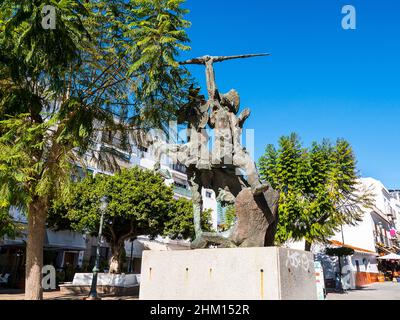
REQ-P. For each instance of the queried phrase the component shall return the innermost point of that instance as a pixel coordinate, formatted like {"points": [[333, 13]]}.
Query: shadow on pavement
{"points": [[11, 291], [18, 294], [350, 290]]}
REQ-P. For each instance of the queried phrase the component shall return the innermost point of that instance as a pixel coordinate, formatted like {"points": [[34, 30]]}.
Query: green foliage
{"points": [[180, 223], [139, 203], [40, 51], [230, 219], [7, 225], [318, 188], [59, 88], [157, 28]]}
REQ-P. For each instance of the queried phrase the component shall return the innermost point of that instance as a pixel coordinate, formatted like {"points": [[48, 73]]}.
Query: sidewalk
{"points": [[375, 291], [56, 295]]}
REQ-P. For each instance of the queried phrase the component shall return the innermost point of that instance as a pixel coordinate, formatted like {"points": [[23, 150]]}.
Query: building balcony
{"points": [[179, 168], [182, 192], [124, 156]]}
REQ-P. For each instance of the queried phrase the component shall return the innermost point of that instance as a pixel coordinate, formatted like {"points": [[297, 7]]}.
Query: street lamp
{"points": [[131, 259], [93, 288]]}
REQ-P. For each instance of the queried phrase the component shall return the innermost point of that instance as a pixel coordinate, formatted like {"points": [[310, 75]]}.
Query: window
{"points": [[179, 167], [366, 263], [180, 185], [358, 265], [143, 149], [208, 194]]}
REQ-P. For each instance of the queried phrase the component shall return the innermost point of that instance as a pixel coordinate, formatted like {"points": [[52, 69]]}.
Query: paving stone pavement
{"points": [[375, 291], [57, 295]]}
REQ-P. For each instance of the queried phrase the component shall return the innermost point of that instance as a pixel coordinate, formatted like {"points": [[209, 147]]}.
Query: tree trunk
{"points": [[34, 249], [117, 257], [307, 246]]}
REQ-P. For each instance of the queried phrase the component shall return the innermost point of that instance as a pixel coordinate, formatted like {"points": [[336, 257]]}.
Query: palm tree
{"points": [[58, 88]]}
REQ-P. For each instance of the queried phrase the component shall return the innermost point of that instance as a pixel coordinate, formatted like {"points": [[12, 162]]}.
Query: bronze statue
{"points": [[218, 169]]}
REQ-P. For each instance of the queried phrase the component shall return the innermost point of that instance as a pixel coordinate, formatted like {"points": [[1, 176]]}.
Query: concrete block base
{"points": [[115, 284], [228, 274], [111, 290]]}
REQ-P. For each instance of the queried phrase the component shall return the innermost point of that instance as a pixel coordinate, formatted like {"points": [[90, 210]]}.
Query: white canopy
{"points": [[391, 256], [65, 240]]}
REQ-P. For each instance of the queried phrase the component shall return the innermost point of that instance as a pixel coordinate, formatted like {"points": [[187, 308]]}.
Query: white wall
{"points": [[208, 203], [211, 203], [360, 236], [384, 201], [367, 263], [159, 244], [295, 245], [395, 203]]}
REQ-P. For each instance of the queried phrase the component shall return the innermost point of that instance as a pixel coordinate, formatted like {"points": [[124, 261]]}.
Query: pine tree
{"points": [[318, 187], [158, 30]]}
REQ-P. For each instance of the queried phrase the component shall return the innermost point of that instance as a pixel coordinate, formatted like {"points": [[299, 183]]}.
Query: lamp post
{"points": [[93, 288], [131, 259]]}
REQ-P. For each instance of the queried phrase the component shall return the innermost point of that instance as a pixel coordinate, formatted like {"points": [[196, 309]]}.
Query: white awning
{"points": [[67, 240], [19, 241], [391, 256]]}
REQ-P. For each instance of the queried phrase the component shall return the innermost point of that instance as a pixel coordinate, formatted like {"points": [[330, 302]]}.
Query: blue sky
{"points": [[321, 81]]}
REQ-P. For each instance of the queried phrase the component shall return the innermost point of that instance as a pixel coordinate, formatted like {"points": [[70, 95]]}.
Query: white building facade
{"points": [[377, 234], [66, 249], [175, 176]]}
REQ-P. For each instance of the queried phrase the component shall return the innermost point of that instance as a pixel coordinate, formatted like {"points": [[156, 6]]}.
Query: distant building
{"points": [[175, 175], [395, 202], [375, 235], [62, 249], [73, 250]]}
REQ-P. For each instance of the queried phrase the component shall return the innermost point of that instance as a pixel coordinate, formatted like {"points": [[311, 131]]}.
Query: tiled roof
{"points": [[338, 243]]}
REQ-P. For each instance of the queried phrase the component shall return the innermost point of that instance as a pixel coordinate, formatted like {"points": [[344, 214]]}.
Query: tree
{"points": [[229, 219], [7, 225], [139, 203], [318, 186], [33, 65], [158, 27], [180, 221], [58, 89]]}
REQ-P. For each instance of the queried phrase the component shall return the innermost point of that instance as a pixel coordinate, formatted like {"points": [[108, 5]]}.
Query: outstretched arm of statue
{"points": [[244, 115]]}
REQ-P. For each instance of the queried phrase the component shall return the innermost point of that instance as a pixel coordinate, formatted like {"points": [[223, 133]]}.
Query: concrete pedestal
{"points": [[228, 274]]}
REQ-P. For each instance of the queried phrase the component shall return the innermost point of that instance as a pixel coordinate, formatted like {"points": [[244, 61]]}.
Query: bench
{"points": [[115, 284]]}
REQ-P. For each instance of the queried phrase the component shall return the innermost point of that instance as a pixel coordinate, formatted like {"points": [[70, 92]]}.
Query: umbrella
{"points": [[391, 256]]}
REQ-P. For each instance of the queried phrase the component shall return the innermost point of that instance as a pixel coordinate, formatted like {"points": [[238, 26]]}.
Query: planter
{"points": [[381, 278]]}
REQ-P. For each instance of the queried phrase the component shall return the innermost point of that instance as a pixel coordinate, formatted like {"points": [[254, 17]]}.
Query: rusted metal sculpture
{"points": [[227, 169]]}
